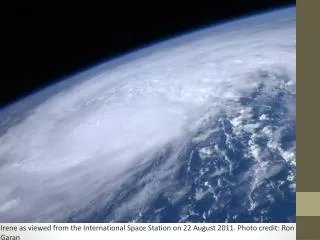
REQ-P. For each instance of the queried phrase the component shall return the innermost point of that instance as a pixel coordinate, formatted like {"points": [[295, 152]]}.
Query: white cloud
{"points": [[83, 143]]}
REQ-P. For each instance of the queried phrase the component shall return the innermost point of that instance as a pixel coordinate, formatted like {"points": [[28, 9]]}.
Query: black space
{"points": [[44, 44]]}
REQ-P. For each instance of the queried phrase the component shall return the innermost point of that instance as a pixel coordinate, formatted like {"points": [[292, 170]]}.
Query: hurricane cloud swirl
{"points": [[80, 146]]}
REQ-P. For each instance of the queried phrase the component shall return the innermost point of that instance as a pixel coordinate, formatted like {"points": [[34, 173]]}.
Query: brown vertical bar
{"points": [[308, 113]]}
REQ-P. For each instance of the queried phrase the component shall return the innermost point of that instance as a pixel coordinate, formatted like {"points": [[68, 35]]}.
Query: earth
{"points": [[198, 128]]}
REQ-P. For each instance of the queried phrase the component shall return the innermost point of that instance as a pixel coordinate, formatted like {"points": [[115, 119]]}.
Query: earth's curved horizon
{"points": [[198, 128]]}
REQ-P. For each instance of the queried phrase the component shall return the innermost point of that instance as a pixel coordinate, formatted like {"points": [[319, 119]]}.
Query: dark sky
{"points": [[43, 44]]}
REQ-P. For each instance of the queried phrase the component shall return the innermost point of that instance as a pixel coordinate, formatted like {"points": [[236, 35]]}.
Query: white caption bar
{"points": [[132, 231]]}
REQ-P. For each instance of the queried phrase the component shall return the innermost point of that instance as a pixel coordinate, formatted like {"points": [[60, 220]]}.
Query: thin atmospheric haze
{"points": [[198, 128]]}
